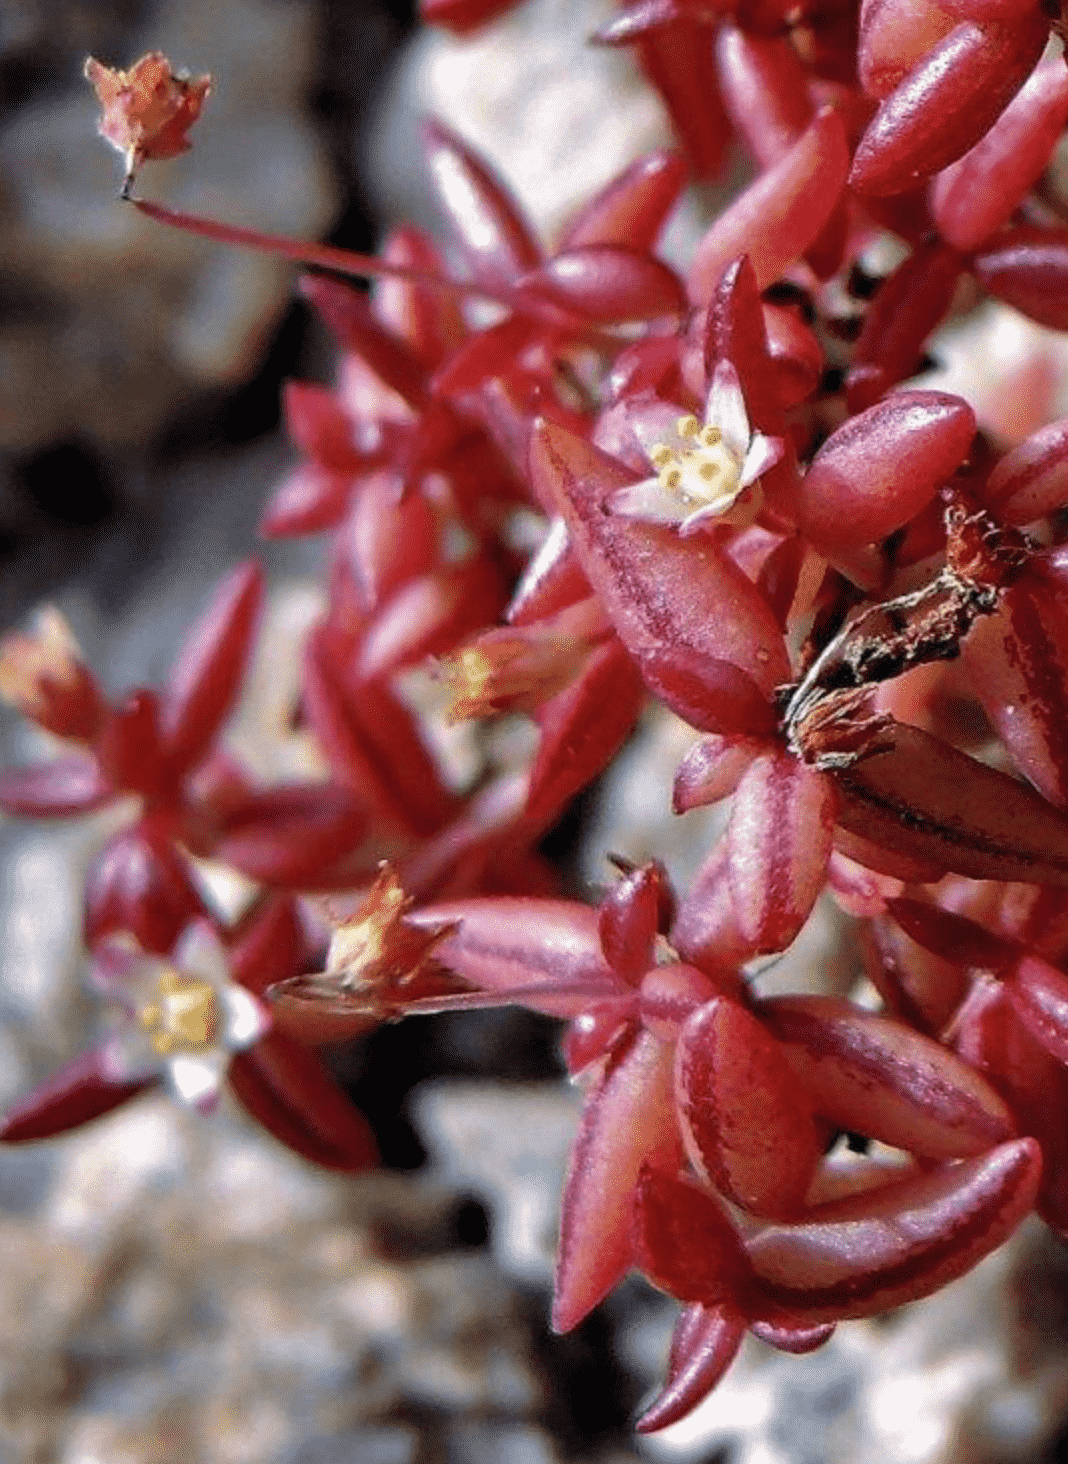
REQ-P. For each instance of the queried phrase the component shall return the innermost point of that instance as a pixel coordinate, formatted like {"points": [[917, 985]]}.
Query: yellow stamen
{"points": [[185, 1014]]}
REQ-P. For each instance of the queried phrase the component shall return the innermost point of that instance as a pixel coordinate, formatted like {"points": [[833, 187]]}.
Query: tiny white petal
{"points": [[200, 952], [725, 408], [649, 501], [246, 1020], [764, 453], [196, 1078], [128, 1055], [656, 424]]}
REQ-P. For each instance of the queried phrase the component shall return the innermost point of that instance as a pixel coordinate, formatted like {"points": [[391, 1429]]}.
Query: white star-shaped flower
{"points": [[181, 1018], [702, 468]]}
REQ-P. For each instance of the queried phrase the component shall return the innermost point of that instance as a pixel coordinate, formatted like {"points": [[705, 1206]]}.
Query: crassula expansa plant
{"points": [[577, 481]]}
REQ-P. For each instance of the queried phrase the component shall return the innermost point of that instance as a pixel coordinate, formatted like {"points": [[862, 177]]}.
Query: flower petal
{"points": [[649, 501], [764, 453], [725, 408], [196, 1080]]}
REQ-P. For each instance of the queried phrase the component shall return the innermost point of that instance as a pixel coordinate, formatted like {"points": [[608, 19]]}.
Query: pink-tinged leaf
{"points": [[747, 1121], [909, 305], [952, 937], [678, 59], [678, 606], [894, 37], [708, 692], [878, 1077], [684, 1242], [489, 223], [466, 854], [350, 319], [76, 1094], [855, 492], [430, 615], [779, 215], [1031, 481], [430, 320], [610, 1024], [764, 89], [706, 1343], [551, 581], [794, 1337], [926, 800], [140, 883], [292, 834], [287, 1089], [488, 353], [633, 207], [461, 16], [206, 677], [388, 538], [796, 355], [711, 770], [308, 500], [635, 909], [893, 863], [360, 761], [1038, 993], [922, 989], [549, 950], [778, 845], [319, 425], [976, 195], [1027, 267], [55, 789], [947, 102], [129, 748], [270, 946], [602, 284], [1018, 665], [628, 1121], [671, 993], [706, 929], [864, 1255]]}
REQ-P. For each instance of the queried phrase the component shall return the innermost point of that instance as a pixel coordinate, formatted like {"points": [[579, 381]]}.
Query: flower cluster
{"points": [[569, 482]]}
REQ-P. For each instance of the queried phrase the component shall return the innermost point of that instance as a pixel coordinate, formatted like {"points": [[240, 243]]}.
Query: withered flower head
{"points": [[147, 111]]}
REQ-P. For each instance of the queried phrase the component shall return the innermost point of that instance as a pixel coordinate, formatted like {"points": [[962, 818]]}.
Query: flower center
{"points": [[185, 1014], [706, 474]]}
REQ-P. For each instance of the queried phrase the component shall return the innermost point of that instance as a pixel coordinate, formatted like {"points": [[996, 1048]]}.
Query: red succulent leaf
{"points": [[765, 90], [952, 937], [928, 801], [910, 304], [287, 1090], [952, 96], [602, 284], [462, 16], [76, 1094], [204, 681], [1027, 267], [705, 1344], [549, 951], [631, 915], [711, 770], [582, 728], [269, 945], [747, 1121], [675, 49], [780, 214], [349, 317], [1038, 994], [487, 353], [140, 883], [684, 1242], [778, 845], [430, 320], [627, 1122], [492, 231], [632, 208], [894, 38], [876, 1076], [55, 789], [429, 615], [786, 1335], [873, 1251], [293, 834], [678, 608], [671, 993], [1031, 481], [551, 580], [855, 493], [307, 501], [130, 749], [979, 193]]}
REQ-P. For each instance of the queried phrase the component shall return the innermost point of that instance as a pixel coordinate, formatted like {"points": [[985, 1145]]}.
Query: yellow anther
{"points": [[708, 471], [661, 455], [671, 478], [185, 1013], [710, 436], [688, 426]]}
